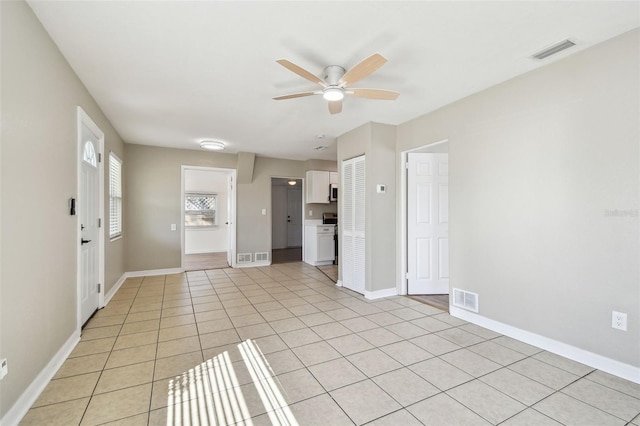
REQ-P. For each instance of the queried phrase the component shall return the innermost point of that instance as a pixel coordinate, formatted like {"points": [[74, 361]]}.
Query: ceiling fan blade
{"points": [[301, 72], [363, 69], [295, 95], [386, 95], [335, 107]]}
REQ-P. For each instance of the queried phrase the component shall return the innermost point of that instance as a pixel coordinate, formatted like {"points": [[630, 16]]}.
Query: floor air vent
{"points": [[465, 300], [262, 256], [244, 257]]}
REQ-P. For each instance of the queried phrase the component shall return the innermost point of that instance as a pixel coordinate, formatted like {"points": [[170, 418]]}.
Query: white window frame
{"points": [[213, 211], [115, 195]]}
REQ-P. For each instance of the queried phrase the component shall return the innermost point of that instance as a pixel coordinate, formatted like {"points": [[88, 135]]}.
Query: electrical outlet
{"points": [[3, 368], [619, 320]]}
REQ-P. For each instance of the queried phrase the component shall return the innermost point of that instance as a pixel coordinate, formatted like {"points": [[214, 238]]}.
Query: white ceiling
{"points": [[172, 73]]}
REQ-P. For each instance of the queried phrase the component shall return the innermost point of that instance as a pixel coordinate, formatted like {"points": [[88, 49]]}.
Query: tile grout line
{"points": [[109, 356], [249, 287]]}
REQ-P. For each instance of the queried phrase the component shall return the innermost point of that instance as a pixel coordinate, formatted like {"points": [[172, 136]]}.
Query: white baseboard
{"points": [[319, 263], [339, 283], [252, 264], [31, 394], [204, 251], [379, 294], [151, 272], [608, 365], [114, 289]]}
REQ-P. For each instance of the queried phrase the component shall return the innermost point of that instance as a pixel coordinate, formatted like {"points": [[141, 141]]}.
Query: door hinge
{"points": [[99, 157], [99, 222], [406, 165], [99, 287], [407, 275]]}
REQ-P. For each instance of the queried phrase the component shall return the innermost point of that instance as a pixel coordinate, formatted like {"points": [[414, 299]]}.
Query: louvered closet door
{"points": [[353, 224], [346, 219]]}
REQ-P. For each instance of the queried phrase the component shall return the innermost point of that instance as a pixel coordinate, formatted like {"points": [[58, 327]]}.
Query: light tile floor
{"points": [[281, 342]]}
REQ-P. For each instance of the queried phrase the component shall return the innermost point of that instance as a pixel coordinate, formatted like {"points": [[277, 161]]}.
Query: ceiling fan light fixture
{"points": [[212, 145], [333, 94]]}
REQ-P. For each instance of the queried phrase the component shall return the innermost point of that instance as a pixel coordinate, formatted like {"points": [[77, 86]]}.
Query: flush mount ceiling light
{"points": [[212, 145], [292, 182]]}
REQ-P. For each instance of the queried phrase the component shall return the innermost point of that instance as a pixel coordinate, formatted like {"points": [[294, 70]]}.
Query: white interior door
{"points": [[231, 233], [428, 223], [88, 216], [278, 217], [294, 216]]}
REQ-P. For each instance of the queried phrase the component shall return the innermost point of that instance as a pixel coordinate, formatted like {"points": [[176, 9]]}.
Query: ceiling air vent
{"points": [[552, 50]]}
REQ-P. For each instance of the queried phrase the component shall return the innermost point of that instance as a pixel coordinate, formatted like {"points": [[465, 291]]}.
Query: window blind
{"points": [[115, 196]]}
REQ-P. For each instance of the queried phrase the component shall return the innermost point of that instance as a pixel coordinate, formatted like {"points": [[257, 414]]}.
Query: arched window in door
{"points": [[89, 154]]}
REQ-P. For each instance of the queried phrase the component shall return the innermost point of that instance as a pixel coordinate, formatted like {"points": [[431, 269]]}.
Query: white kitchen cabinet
{"points": [[317, 185], [319, 248]]}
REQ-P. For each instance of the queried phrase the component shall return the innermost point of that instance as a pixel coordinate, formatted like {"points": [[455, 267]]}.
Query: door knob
{"points": [[83, 241]]}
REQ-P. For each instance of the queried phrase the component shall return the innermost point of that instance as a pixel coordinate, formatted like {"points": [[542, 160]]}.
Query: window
{"points": [[115, 196], [199, 210], [89, 154]]}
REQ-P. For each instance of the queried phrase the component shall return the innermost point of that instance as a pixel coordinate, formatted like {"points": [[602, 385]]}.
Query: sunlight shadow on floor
{"points": [[210, 393]]}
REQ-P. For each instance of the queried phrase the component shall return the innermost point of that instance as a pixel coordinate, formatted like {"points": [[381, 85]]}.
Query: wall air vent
{"points": [[465, 300], [244, 257], [262, 256], [552, 50]]}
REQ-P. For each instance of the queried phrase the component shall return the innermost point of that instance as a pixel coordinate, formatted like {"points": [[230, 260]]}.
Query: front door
{"points": [[88, 217], [428, 223]]}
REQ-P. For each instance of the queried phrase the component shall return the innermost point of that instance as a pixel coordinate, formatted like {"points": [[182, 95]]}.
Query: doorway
{"points": [[208, 218], [425, 254], [89, 207], [286, 220]]}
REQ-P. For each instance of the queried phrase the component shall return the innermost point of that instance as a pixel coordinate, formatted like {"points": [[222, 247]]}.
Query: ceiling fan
{"points": [[335, 82]]}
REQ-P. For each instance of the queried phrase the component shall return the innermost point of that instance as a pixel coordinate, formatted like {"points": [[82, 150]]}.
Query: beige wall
{"points": [[40, 93], [377, 142], [152, 200], [254, 229], [381, 207], [535, 163]]}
